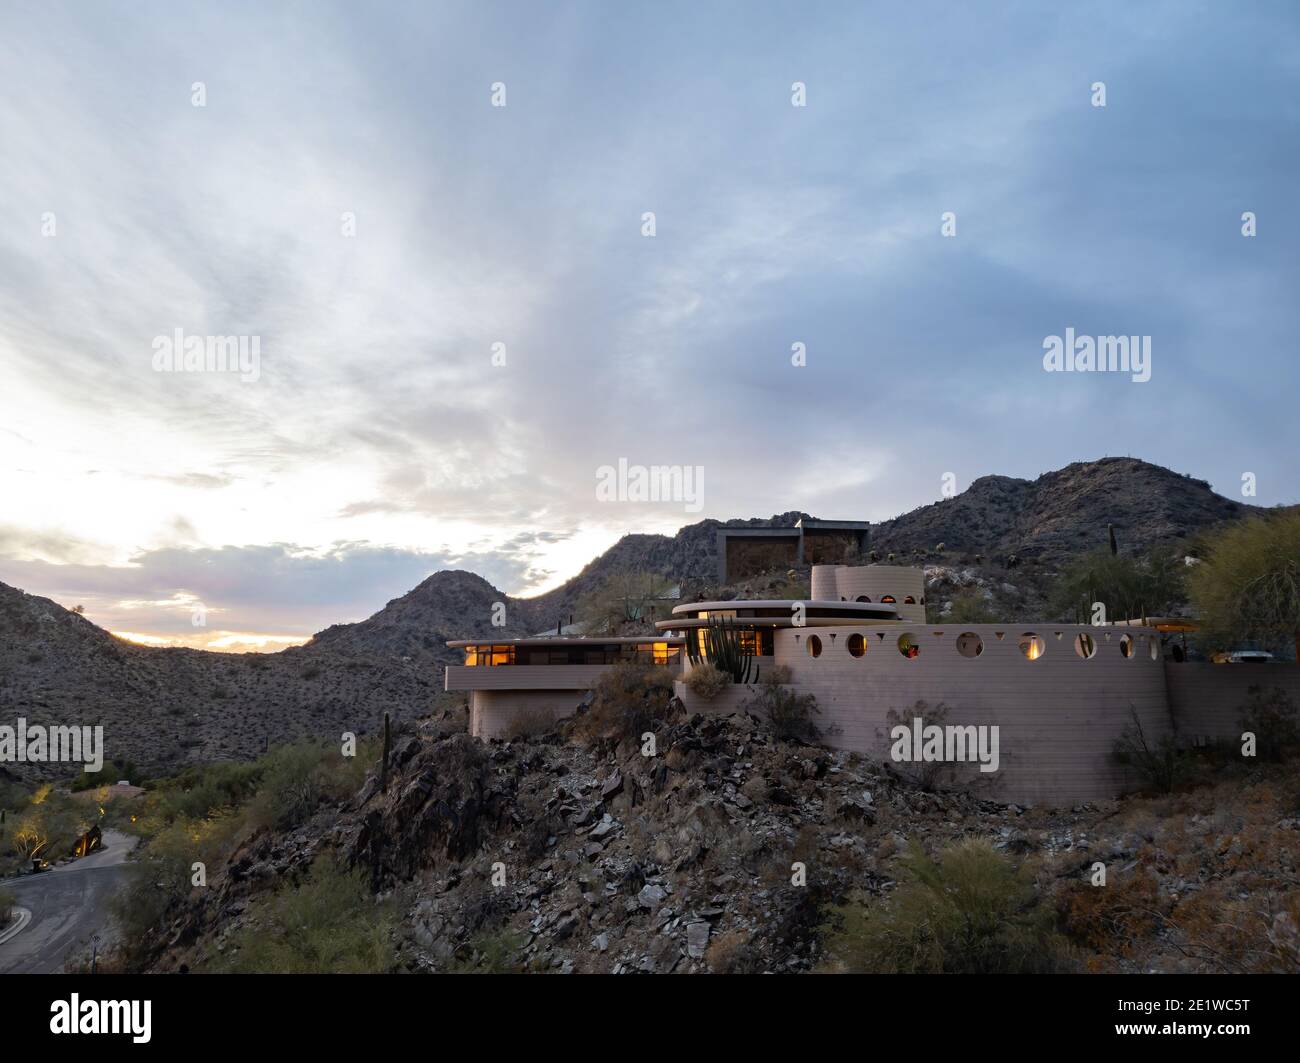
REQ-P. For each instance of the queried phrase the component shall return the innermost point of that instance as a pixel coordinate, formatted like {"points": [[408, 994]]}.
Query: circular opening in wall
{"points": [[888, 599], [969, 644], [1126, 645], [909, 600], [1177, 653], [857, 644], [813, 646], [908, 647], [863, 598], [1155, 648], [1032, 646], [1085, 645]]}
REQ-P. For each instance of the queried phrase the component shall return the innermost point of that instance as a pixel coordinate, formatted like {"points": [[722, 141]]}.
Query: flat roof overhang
{"points": [[784, 622], [864, 610], [571, 640]]}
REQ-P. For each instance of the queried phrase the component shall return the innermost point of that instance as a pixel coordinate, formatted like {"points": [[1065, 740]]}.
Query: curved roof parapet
{"points": [[560, 640], [777, 612], [874, 610]]}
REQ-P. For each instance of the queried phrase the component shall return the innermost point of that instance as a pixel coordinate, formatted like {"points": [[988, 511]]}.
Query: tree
{"points": [[623, 600], [1129, 587], [1247, 585]]}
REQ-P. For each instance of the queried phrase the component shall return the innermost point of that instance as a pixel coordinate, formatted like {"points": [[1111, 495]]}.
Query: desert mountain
{"points": [[1062, 513], [163, 707]]}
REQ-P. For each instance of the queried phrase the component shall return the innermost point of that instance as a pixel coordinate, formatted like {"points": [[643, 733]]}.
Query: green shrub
{"points": [[629, 699], [492, 953], [706, 681], [162, 875], [328, 924], [971, 911]]}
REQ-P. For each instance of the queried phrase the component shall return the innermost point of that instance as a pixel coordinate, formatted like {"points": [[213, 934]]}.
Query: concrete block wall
{"points": [[492, 711], [1058, 716], [1206, 699]]}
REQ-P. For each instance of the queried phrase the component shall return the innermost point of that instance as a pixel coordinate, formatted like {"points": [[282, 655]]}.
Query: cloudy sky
{"points": [[349, 195]]}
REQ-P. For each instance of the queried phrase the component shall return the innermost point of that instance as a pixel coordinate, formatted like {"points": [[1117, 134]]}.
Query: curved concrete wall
{"points": [[1058, 716], [849, 582]]}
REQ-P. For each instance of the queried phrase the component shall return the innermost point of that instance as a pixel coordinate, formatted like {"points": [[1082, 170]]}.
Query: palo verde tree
{"points": [[1247, 586]]}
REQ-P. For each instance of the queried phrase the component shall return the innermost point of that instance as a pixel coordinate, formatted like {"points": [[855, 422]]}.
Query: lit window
{"points": [[857, 644], [888, 599], [1032, 646], [1126, 645], [909, 600]]}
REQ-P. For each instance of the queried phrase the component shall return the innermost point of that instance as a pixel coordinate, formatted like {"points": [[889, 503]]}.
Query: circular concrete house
{"points": [[1028, 712]]}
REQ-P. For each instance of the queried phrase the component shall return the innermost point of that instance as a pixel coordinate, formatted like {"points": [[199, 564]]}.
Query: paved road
{"points": [[68, 904]]}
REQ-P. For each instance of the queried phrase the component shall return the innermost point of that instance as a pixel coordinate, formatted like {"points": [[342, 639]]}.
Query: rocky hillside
{"points": [[1062, 513], [687, 861], [614, 862], [161, 708]]}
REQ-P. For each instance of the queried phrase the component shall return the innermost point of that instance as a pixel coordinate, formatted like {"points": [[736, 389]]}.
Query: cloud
{"points": [[379, 416]]}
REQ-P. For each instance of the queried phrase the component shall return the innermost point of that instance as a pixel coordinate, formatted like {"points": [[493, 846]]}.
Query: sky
{"points": [[809, 254]]}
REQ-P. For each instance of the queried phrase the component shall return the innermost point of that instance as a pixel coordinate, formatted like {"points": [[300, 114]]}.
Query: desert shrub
{"points": [[7, 904], [47, 827], [112, 771], [327, 924], [200, 790], [707, 682], [1160, 765], [1112, 919], [1271, 717], [492, 953], [789, 714], [161, 876], [970, 911], [296, 778], [927, 774], [528, 722], [727, 953], [1231, 932], [970, 606], [629, 699]]}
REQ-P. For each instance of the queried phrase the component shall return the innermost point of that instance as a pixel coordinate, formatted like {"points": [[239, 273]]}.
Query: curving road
{"points": [[68, 904]]}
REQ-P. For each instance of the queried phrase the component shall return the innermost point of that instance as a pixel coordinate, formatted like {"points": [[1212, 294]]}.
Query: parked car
{"points": [[1248, 657]]}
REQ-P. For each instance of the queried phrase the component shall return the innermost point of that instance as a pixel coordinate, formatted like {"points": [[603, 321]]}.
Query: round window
{"points": [[969, 644], [908, 647], [1126, 645], [1085, 645], [1032, 646], [857, 644], [814, 646]]}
